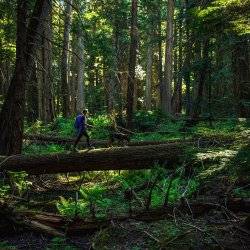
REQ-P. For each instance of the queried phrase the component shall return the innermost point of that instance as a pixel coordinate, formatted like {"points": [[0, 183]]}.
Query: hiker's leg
{"points": [[111, 140], [79, 136], [87, 137]]}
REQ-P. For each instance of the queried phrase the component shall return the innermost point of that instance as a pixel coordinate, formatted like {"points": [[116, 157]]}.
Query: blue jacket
{"points": [[80, 123]]}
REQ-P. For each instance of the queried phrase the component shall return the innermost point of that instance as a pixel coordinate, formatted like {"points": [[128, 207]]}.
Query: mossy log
{"points": [[96, 143], [117, 158]]}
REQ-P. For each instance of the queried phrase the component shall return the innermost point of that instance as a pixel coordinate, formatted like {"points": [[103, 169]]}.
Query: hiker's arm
{"points": [[89, 126]]}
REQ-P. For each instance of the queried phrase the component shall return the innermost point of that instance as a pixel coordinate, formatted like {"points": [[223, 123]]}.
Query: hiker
{"points": [[81, 127]]}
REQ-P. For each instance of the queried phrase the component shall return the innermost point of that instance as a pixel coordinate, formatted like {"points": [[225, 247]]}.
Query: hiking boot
{"points": [[90, 146]]}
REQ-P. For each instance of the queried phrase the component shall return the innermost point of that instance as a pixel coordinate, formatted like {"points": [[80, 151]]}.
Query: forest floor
{"points": [[213, 172]]}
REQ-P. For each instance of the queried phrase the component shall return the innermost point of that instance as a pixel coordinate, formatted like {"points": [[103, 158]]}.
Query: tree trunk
{"points": [[44, 65], [201, 81], [49, 110], [148, 94], [186, 65], [73, 77], [32, 97], [12, 113], [177, 101], [160, 76], [65, 60], [175, 61], [132, 63], [121, 26], [138, 157], [241, 77], [80, 101], [168, 74]]}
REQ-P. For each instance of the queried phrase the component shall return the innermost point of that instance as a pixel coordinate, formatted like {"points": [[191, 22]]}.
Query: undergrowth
{"points": [[162, 127], [129, 190]]}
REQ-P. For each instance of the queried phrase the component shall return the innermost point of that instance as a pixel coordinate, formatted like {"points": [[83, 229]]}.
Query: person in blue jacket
{"points": [[81, 127]]}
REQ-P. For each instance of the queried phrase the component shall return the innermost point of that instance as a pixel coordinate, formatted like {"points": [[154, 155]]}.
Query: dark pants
{"points": [[79, 136]]}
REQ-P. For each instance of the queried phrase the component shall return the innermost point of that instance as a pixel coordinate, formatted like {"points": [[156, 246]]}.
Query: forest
{"points": [[125, 124]]}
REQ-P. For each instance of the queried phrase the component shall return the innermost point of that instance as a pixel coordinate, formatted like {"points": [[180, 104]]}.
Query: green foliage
{"points": [[100, 126], [36, 127], [148, 120], [88, 197], [63, 127], [37, 149], [97, 199], [19, 181], [58, 243], [6, 246], [229, 13], [4, 189], [72, 208], [16, 183], [241, 162], [243, 192]]}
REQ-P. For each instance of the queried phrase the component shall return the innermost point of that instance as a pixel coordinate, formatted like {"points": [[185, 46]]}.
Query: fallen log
{"points": [[58, 225], [62, 140], [117, 158], [199, 140], [96, 143]]}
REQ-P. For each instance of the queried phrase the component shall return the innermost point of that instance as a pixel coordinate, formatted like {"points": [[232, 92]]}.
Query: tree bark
{"points": [[73, 77], [132, 63], [148, 94], [44, 66], [241, 77], [138, 157], [121, 27], [48, 100], [80, 101], [32, 97], [168, 74], [201, 81], [12, 113], [177, 98], [186, 66], [160, 75], [65, 60]]}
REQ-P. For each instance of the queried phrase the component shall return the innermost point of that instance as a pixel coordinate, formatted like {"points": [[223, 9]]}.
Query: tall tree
{"points": [[168, 74], [177, 97], [187, 61], [12, 113], [160, 73], [65, 60], [241, 76], [148, 90], [80, 96], [46, 110], [132, 62], [202, 74]]}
